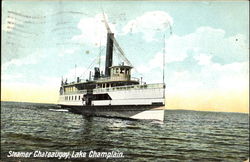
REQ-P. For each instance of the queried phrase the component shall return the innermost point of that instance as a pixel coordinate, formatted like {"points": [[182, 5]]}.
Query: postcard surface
{"points": [[125, 80]]}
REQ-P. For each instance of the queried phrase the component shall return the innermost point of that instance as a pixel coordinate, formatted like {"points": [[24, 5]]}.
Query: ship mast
{"points": [[163, 61], [163, 66]]}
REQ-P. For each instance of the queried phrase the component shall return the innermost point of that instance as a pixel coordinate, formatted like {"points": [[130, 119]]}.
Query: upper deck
{"points": [[120, 76], [119, 88]]}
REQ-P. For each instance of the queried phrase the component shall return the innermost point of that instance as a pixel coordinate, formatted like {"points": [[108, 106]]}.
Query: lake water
{"points": [[184, 135]]}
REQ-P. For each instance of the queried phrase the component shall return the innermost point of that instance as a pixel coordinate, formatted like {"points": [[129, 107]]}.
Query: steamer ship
{"points": [[115, 93]]}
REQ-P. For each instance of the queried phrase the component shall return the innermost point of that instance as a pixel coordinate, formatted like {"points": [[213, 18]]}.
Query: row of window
{"points": [[72, 98], [120, 71], [70, 89]]}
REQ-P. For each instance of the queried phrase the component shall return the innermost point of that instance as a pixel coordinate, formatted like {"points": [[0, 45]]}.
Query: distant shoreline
{"points": [[166, 108], [30, 102]]}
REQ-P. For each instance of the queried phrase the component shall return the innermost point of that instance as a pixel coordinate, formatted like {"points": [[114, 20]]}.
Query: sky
{"points": [[206, 46]]}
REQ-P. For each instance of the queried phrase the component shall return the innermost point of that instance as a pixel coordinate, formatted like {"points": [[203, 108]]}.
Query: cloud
{"points": [[66, 51], [149, 24], [213, 79], [224, 78], [201, 61], [208, 41], [231, 82], [27, 60], [229, 76], [93, 31], [155, 62]]}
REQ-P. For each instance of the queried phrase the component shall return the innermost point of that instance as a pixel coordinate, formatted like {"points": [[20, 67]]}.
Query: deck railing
{"points": [[107, 79], [76, 92], [128, 87], [122, 78]]}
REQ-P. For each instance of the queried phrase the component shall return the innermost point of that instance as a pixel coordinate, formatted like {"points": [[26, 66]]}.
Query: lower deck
{"points": [[150, 94]]}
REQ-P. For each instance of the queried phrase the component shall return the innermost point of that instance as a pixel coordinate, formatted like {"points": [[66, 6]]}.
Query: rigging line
{"points": [[114, 40], [87, 69], [119, 58], [100, 50], [92, 63], [116, 43], [121, 51], [75, 71], [90, 66], [122, 56]]}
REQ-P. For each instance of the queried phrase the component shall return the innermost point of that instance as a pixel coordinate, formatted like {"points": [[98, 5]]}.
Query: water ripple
{"points": [[184, 135]]}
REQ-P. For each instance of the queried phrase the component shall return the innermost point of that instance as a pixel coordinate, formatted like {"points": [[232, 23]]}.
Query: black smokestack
{"points": [[109, 53]]}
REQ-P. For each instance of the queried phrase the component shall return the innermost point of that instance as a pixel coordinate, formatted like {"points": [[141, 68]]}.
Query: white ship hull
{"points": [[136, 102]]}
